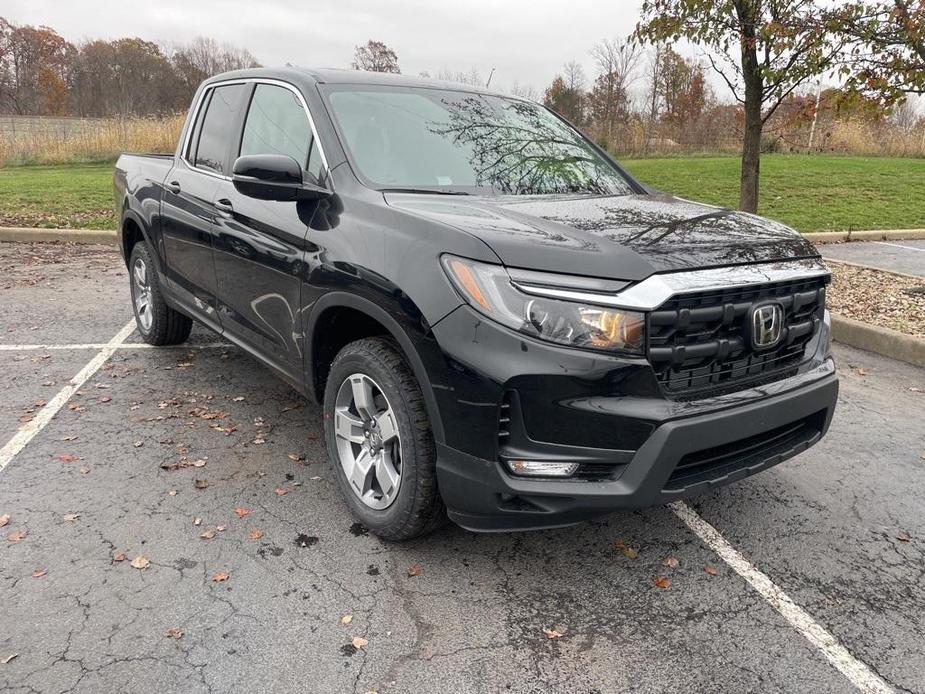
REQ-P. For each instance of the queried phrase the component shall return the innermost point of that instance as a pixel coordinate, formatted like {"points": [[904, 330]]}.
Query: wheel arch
{"points": [[369, 320]]}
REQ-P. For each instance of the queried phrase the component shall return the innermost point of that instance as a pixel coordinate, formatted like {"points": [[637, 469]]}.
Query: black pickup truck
{"points": [[500, 324]]}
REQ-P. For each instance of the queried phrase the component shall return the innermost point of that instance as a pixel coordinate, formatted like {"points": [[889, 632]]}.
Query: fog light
{"points": [[540, 468]]}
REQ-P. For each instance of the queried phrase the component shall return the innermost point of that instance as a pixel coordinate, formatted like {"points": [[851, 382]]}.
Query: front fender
{"points": [[412, 346]]}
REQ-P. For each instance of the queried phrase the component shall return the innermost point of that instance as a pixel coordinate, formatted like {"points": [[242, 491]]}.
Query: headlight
{"points": [[490, 290]]}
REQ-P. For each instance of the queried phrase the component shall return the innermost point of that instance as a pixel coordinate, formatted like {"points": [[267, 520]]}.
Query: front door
{"points": [[260, 245]]}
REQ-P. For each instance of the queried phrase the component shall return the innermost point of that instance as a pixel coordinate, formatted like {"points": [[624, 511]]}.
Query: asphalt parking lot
{"points": [[274, 596], [907, 256]]}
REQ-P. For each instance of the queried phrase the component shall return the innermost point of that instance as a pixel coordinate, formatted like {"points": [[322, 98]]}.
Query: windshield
{"points": [[448, 141]]}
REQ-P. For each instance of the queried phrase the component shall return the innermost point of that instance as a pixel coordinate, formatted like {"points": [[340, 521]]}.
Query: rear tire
{"points": [[158, 323], [390, 431]]}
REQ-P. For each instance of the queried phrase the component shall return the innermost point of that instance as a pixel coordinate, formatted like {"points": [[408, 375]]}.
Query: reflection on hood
{"points": [[627, 237]]}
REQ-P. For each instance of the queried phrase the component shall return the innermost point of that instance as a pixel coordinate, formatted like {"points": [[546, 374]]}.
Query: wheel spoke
{"points": [[347, 426], [359, 476], [386, 474], [363, 397], [140, 275], [386, 425]]}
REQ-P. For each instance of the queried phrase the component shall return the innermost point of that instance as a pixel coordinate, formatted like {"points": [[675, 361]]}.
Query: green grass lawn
{"points": [[77, 196], [810, 193]]}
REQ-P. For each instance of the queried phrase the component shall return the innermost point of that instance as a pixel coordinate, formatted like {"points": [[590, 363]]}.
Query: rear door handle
{"points": [[174, 187], [224, 207]]}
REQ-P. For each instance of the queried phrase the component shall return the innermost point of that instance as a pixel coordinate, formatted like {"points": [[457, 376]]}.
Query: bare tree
{"points": [[609, 99], [375, 56], [525, 91]]}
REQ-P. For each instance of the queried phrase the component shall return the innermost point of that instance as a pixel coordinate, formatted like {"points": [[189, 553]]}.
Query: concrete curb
{"points": [[27, 235], [883, 235], [884, 341], [904, 275]]}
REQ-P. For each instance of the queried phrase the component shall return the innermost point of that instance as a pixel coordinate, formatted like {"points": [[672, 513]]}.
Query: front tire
{"points": [[379, 441], [158, 323]]}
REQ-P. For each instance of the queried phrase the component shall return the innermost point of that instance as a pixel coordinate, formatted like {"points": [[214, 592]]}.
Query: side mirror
{"points": [[273, 177]]}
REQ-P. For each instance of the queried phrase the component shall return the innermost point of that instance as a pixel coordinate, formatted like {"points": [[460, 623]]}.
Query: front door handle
{"points": [[224, 207], [174, 187]]}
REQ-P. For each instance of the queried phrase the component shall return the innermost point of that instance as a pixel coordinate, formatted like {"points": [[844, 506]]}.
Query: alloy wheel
{"points": [[368, 443]]}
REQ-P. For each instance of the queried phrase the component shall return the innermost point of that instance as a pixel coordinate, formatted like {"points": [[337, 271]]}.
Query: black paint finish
{"points": [[291, 281]]}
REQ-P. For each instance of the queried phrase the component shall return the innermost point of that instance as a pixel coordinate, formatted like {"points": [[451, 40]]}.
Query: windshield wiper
{"points": [[427, 191]]}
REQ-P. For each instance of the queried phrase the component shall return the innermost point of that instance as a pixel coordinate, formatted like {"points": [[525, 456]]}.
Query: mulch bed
{"points": [[877, 298]]}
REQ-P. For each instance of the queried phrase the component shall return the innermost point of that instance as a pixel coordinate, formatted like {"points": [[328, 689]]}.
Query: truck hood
{"points": [[617, 237]]}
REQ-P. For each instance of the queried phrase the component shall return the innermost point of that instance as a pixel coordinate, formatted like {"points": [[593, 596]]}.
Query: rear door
{"points": [[190, 189], [260, 245]]}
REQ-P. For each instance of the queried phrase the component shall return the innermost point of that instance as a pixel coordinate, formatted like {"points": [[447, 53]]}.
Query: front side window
{"points": [[421, 138], [217, 126], [277, 124]]}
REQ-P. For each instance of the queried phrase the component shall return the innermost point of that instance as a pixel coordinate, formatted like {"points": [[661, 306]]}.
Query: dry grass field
{"points": [[39, 140]]}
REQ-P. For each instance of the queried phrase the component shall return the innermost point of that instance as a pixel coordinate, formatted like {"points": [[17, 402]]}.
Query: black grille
{"points": [[754, 452], [699, 343]]}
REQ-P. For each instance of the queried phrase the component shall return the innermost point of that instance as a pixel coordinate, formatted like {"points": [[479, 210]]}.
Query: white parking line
{"points": [[899, 245], [101, 345], [28, 430], [857, 672]]}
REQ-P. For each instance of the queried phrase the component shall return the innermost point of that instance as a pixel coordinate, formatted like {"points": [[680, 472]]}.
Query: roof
{"points": [[341, 76]]}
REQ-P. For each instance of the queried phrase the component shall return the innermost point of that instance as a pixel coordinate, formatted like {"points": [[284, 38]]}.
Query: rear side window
{"points": [[218, 126], [277, 124]]}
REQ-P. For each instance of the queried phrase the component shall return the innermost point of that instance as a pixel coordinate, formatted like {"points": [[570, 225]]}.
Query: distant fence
{"points": [[49, 140], [30, 126]]}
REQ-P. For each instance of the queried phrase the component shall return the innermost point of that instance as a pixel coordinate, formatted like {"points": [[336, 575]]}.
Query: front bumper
{"points": [[601, 411], [481, 496]]}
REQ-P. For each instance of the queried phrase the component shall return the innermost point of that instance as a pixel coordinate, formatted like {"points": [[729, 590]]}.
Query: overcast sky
{"points": [[526, 41]]}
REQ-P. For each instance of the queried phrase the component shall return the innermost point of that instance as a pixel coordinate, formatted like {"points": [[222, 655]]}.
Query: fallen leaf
{"points": [[281, 491], [17, 536], [239, 398], [242, 512], [71, 517], [220, 528], [4, 519], [553, 633], [84, 470], [359, 642], [662, 582], [38, 573], [208, 534], [172, 492], [627, 551], [118, 556], [671, 563], [25, 418], [4, 661], [220, 576], [200, 484], [174, 633], [415, 570], [138, 444], [140, 562], [66, 457], [903, 536], [711, 570], [862, 371], [255, 534], [198, 463], [346, 619], [259, 441], [105, 398], [197, 520]]}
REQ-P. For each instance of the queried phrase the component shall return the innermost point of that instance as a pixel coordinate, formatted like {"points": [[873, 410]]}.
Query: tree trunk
{"points": [[754, 97], [751, 159]]}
